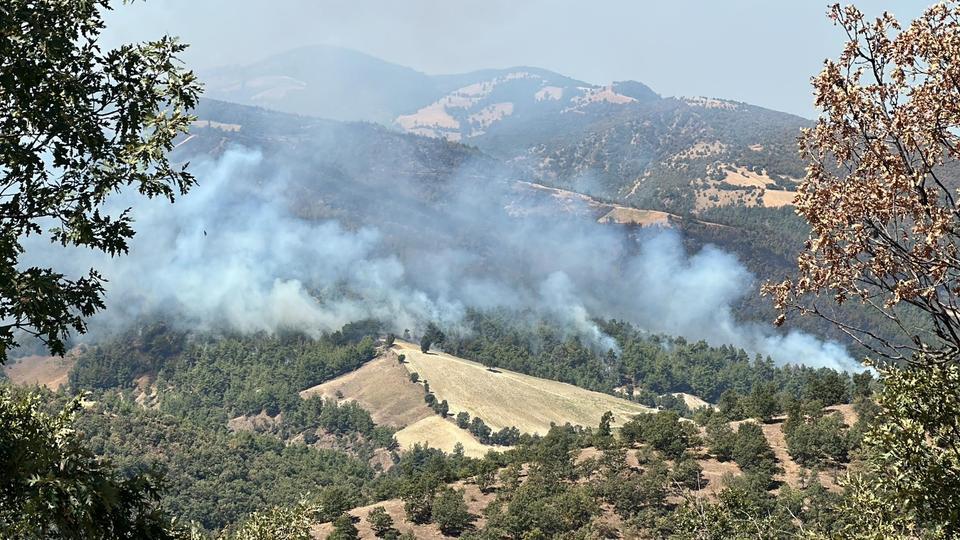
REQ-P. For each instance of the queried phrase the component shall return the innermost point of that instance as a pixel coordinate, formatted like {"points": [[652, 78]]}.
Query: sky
{"points": [[757, 51]]}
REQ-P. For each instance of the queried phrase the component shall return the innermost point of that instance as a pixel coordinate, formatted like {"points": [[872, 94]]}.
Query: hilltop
{"points": [[501, 398], [324, 81], [504, 398]]}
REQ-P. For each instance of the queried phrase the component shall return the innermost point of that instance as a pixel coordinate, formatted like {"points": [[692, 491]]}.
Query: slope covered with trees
{"points": [[156, 435], [647, 365]]}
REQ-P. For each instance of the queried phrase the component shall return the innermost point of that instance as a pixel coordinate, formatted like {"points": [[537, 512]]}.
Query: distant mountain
{"points": [[482, 103], [500, 109], [676, 154], [323, 81], [620, 142]]}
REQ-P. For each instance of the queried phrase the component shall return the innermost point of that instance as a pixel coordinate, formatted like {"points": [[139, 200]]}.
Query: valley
{"points": [[418, 289]]}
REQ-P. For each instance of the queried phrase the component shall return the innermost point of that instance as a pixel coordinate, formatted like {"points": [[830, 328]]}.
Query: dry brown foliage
{"points": [[877, 193]]}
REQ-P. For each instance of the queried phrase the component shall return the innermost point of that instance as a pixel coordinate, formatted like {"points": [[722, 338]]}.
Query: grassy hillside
{"points": [[501, 398], [382, 387], [443, 434], [50, 371], [630, 485], [504, 398]]}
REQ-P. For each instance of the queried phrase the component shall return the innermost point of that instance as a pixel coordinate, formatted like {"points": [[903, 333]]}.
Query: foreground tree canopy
{"points": [[880, 197], [880, 190], [53, 487], [77, 124]]}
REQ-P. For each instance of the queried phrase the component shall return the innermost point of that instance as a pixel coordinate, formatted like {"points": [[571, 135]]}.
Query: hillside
{"points": [[501, 398], [504, 398], [476, 501], [324, 81], [592, 466], [383, 388], [488, 105], [622, 141], [670, 154], [249, 405], [49, 371], [443, 434]]}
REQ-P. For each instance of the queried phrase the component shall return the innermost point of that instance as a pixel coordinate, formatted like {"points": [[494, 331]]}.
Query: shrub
{"points": [[720, 438], [380, 521], [450, 512], [344, 529], [688, 473], [752, 452]]}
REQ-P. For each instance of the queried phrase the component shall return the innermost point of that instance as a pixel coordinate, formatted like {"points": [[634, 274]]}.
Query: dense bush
{"points": [[814, 438], [663, 431], [752, 452]]}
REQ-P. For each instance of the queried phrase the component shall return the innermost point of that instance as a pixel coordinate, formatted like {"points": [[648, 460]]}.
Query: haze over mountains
{"points": [[515, 189], [436, 290], [620, 141]]}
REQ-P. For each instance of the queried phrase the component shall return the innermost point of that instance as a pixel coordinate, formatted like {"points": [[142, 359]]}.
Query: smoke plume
{"points": [[233, 253]]}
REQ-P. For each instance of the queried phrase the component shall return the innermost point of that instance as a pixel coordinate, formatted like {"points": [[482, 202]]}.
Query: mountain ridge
{"points": [[620, 141]]}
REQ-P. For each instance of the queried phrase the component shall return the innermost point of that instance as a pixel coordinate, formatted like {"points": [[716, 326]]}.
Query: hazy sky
{"points": [[758, 51]]}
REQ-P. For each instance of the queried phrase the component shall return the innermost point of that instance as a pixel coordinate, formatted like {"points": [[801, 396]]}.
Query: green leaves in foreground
{"points": [[912, 483], [77, 124], [53, 487]]}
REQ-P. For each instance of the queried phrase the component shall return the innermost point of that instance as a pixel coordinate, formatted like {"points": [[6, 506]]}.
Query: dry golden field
{"points": [[504, 398], [49, 371]]}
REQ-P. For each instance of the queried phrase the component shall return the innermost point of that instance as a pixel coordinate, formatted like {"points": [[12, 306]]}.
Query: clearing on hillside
{"points": [[49, 371], [504, 398], [633, 216], [693, 402], [443, 434], [382, 387]]}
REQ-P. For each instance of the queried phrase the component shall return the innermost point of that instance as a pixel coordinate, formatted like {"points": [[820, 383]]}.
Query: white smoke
{"points": [[227, 254], [559, 297], [692, 296], [232, 253]]}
